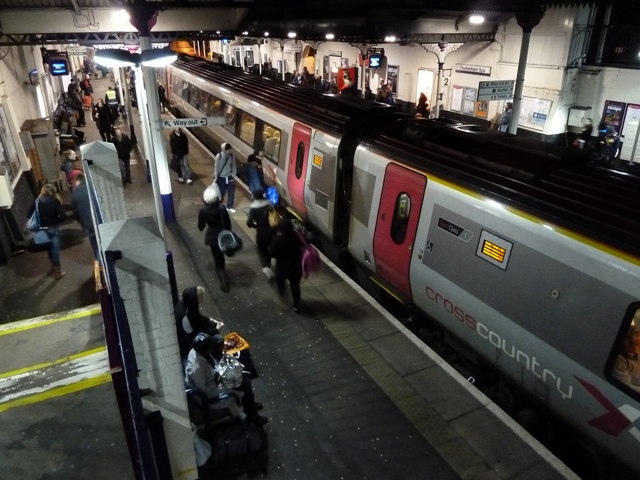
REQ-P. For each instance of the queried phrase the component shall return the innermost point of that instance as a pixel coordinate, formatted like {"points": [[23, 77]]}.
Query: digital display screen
{"points": [[374, 61], [494, 251], [59, 67]]}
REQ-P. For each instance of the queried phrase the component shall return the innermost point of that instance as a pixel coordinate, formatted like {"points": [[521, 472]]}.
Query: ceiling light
{"points": [[158, 57], [155, 57], [217, 32], [390, 38], [292, 35], [245, 33], [120, 16], [476, 19], [266, 34], [329, 36]]}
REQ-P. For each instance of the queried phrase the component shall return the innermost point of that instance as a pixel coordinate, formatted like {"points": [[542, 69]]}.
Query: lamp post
{"points": [[150, 116]]}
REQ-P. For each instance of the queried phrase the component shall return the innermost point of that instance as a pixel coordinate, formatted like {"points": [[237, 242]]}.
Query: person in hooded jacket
{"points": [[259, 219], [51, 216], [215, 217], [225, 170], [286, 248], [189, 320]]}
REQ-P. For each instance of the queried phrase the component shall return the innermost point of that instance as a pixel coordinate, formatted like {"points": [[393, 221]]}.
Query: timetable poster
{"points": [[613, 113], [456, 98], [469, 95]]}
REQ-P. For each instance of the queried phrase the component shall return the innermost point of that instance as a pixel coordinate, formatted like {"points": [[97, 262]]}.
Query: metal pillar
{"points": [[527, 22], [440, 50]]}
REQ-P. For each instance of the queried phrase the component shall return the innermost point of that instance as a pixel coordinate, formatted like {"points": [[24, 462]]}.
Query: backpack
{"points": [[310, 258]]}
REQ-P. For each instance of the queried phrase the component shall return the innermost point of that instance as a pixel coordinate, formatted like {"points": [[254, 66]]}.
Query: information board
{"points": [[496, 90]]}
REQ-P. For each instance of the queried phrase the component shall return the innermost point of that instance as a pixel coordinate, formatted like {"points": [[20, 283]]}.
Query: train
{"points": [[524, 252]]}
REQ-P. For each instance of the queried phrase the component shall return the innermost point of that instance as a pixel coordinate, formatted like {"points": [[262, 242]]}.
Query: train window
{"points": [[215, 107], [203, 101], [230, 118], [194, 96], [271, 142], [299, 160], [624, 366], [247, 128], [185, 91], [177, 86], [400, 220]]}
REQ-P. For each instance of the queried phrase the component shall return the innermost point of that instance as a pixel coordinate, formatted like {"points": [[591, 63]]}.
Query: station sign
{"points": [[193, 122], [496, 90]]}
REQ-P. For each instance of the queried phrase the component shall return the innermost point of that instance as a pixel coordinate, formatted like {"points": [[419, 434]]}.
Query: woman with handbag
{"points": [[50, 215], [214, 216]]}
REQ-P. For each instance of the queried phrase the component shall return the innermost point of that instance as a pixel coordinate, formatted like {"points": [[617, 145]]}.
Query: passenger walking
{"points": [[51, 216], [215, 217], [123, 145], [82, 210], [259, 219], [255, 175], [104, 120], [112, 99], [70, 166], [180, 149], [286, 248], [225, 170], [85, 85]]}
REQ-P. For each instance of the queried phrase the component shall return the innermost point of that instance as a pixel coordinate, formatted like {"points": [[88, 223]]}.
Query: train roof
{"points": [[566, 187], [333, 113]]}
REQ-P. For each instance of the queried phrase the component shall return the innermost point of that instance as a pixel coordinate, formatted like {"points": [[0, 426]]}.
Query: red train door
{"points": [[400, 205], [300, 141]]}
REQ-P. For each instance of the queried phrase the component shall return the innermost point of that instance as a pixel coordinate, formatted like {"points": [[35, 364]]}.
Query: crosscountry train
{"points": [[523, 251]]}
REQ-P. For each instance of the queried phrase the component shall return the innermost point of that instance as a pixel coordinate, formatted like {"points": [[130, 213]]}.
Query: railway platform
{"points": [[349, 392]]}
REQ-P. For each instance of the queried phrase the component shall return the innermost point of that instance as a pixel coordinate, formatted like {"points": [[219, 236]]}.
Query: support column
{"points": [[527, 21], [440, 50]]}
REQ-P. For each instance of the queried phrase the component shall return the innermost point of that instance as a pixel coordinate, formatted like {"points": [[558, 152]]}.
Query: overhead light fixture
{"points": [[266, 34], [245, 33], [217, 32], [390, 38], [329, 36], [292, 35], [115, 58], [120, 16], [476, 19]]}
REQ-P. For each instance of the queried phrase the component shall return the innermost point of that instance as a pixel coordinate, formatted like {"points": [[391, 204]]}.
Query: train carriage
{"points": [[526, 252]]}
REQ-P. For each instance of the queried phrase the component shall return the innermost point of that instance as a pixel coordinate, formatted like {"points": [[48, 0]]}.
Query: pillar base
{"points": [[167, 207]]}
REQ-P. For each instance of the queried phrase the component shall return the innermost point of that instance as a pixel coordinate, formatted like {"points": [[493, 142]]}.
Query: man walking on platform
{"points": [[225, 169], [180, 149], [123, 145], [112, 99]]}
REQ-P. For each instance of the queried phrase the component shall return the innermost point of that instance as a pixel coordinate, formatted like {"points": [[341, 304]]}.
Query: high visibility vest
{"points": [[111, 97]]}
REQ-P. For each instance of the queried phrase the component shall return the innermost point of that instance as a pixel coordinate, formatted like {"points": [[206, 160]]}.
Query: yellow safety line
{"points": [[185, 472], [57, 392], [54, 362], [81, 314]]}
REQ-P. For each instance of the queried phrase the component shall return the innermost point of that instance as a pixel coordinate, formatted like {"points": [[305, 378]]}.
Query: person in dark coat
{"points": [[255, 175], [104, 119], [51, 216], [259, 219], [179, 144], [162, 96], [215, 217], [82, 210], [189, 320], [123, 145], [286, 248]]}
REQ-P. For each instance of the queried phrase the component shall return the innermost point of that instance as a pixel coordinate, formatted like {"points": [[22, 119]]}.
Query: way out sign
{"points": [[193, 122]]}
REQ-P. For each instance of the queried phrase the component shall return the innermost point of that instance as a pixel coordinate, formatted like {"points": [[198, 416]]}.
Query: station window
{"points": [[230, 118], [624, 365], [299, 160], [247, 131], [400, 220], [271, 142]]}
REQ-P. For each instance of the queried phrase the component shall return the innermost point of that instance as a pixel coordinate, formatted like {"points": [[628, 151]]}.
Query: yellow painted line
{"points": [[55, 362], [28, 324], [57, 392], [186, 472]]}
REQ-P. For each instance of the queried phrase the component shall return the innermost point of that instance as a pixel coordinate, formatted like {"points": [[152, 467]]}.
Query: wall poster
{"points": [[482, 109], [469, 95], [456, 98], [630, 132], [534, 113], [9, 154], [392, 78], [613, 113]]}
